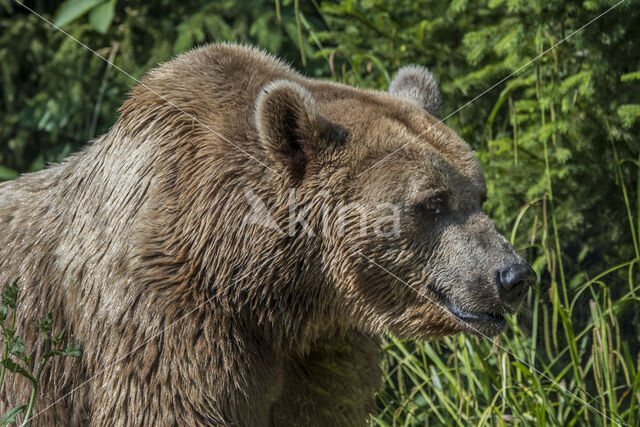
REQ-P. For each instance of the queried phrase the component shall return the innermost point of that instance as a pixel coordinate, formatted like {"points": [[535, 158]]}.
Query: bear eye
{"points": [[433, 205]]}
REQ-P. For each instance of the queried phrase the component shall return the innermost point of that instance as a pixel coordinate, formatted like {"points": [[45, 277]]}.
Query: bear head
{"points": [[393, 199]]}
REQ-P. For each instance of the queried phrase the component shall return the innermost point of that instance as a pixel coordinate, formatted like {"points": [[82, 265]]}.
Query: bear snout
{"points": [[513, 280]]}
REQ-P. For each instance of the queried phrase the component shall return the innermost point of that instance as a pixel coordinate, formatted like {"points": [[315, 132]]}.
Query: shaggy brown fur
{"points": [[189, 315]]}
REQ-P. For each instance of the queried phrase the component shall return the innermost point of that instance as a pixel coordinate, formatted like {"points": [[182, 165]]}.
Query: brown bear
{"points": [[190, 311]]}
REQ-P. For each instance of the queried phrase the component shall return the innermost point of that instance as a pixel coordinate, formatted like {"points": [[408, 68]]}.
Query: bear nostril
{"points": [[515, 278]]}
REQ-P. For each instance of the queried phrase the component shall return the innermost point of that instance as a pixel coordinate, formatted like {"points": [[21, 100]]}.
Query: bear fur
{"points": [[190, 315]]}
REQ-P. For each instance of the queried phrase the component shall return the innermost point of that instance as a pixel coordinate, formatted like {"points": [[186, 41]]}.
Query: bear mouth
{"points": [[470, 317], [473, 316]]}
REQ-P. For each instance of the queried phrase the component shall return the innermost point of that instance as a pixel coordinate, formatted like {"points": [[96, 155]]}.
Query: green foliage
{"points": [[73, 9], [10, 416], [553, 111], [629, 113], [55, 95], [17, 361]]}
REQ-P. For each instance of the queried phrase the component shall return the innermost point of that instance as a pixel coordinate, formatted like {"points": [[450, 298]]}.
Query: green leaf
{"points": [[7, 173], [16, 346], [10, 416], [37, 164], [8, 334], [101, 16], [183, 42], [73, 9], [629, 113], [58, 337], [10, 295], [14, 367], [46, 321], [73, 350], [630, 76]]}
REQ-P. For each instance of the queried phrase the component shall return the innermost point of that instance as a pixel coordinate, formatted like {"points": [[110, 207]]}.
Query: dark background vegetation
{"points": [[558, 142]]}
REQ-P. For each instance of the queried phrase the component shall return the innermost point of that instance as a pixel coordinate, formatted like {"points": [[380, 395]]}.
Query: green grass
{"points": [[466, 380]]}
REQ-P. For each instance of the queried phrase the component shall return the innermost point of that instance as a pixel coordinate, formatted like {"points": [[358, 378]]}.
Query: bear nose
{"points": [[514, 280]]}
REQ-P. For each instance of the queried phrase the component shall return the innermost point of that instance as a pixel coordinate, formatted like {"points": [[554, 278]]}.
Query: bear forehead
{"points": [[393, 140], [381, 122]]}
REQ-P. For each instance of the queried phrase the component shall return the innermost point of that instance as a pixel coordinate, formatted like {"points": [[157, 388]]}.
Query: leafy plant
{"points": [[16, 360], [101, 13], [55, 95]]}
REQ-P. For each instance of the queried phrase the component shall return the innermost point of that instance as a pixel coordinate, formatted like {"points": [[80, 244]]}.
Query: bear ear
{"points": [[289, 127], [419, 86]]}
